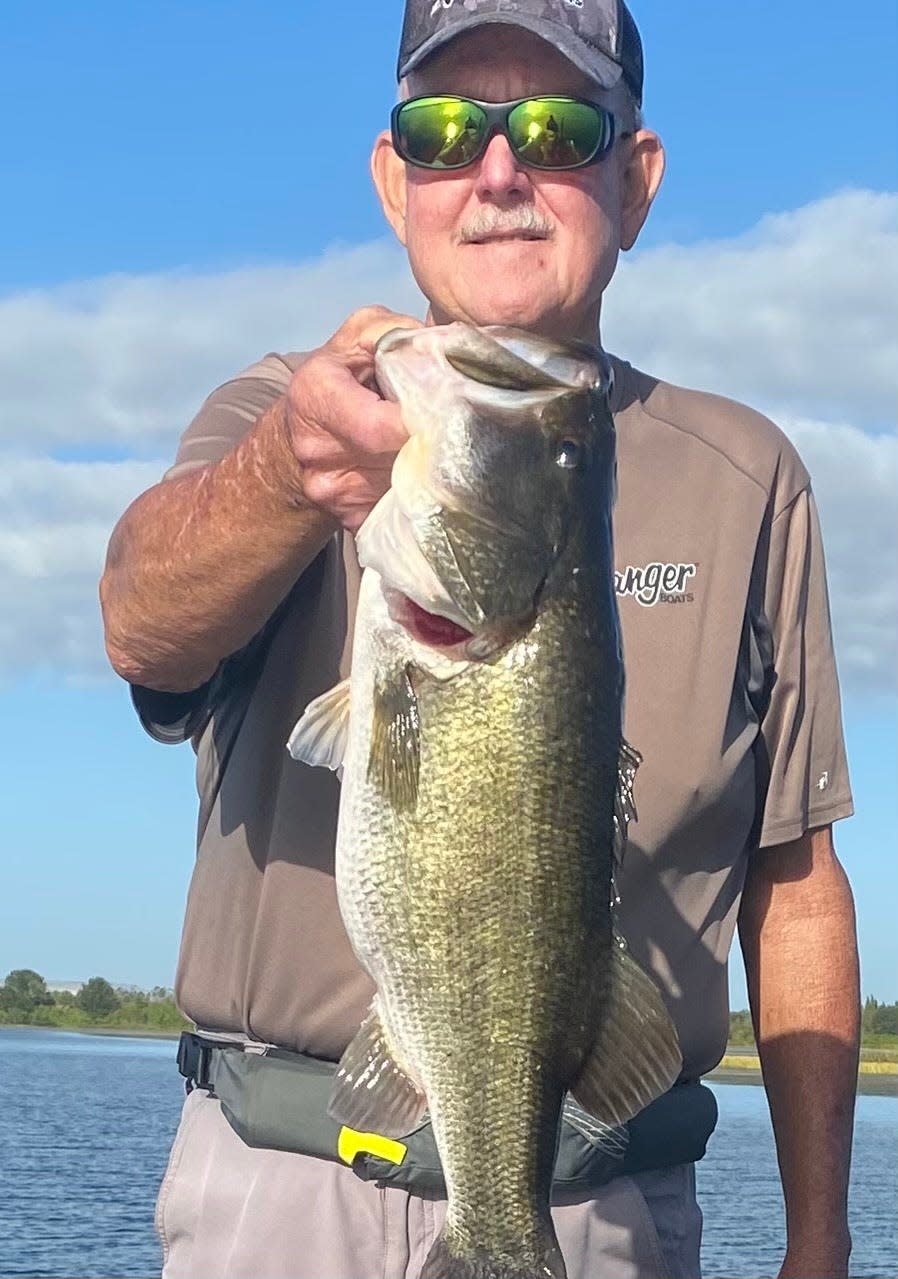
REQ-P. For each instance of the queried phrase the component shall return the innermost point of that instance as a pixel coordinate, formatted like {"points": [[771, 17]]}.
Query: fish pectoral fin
{"points": [[624, 804], [395, 752], [636, 1056], [372, 1092], [322, 733]]}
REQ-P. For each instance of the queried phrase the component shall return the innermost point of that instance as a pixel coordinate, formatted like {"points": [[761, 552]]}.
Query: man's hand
{"points": [[343, 434], [198, 564]]}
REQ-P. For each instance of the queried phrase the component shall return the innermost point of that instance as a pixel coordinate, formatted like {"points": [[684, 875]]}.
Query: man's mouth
{"points": [[500, 237]]}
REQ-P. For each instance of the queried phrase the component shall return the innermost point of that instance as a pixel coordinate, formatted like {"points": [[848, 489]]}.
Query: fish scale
{"points": [[537, 908], [486, 788]]}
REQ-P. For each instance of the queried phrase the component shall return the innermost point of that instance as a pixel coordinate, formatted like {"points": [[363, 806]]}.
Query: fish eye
{"points": [[569, 454]]}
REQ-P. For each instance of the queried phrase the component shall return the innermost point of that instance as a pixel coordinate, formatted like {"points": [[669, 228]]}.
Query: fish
{"points": [[487, 786]]}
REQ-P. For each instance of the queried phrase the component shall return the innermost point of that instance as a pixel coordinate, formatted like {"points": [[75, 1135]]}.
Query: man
{"points": [[228, 598]]}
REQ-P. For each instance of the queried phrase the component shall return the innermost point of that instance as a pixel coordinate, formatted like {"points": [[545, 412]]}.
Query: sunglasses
{"points": [[544, 133]]}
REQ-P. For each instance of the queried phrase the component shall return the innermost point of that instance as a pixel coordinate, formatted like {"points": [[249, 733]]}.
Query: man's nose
{"points": [[501, 176]]}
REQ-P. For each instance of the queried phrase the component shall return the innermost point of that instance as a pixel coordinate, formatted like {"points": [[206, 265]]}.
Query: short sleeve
{"points": [[231, 410], [172, 718], [801, 730]]}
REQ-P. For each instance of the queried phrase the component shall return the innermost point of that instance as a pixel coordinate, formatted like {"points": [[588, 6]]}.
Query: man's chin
{"points": [[535, 317], [492, 300]]}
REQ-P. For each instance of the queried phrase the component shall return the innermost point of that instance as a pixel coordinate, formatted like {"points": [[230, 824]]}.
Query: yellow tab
{"points": [[351, 1143]]}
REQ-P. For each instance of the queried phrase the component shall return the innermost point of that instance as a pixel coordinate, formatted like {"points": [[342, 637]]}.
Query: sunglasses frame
{"points": [[497, 114]]}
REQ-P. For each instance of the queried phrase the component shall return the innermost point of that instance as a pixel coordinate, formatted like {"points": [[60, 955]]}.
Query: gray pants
{"points": [[228, 1211]]}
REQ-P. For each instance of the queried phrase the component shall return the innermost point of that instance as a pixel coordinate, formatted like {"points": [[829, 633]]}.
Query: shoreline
{"points": [[875, 1079], [118, 1032], [745, 1068], [867, 1085], [113, 1032]]}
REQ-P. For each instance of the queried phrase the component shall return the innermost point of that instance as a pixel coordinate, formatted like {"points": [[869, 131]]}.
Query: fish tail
{"points": [[444, 1262]]}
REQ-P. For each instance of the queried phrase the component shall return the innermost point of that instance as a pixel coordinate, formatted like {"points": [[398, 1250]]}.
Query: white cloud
{"points": [[794, 318], [127, 360], [799, 315], [55, 523], [855, 480]]}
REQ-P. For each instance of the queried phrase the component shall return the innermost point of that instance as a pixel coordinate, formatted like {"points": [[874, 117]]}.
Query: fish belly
{"points": [[483, 917]]}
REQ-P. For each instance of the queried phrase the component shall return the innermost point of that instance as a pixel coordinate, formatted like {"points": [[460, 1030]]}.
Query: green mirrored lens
{"points": [[557, 133], [443, 133]]}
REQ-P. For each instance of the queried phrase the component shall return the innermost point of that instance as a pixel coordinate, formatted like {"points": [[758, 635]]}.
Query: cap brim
{"points": [[601, 69]]}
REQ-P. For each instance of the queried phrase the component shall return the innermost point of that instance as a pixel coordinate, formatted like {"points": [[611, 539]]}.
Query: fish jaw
{"points": [[483, 493], [389, 543], [432, 357], [414, 545]]}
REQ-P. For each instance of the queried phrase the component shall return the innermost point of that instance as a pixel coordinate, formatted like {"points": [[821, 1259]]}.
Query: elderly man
{"points": [[229, 597]]}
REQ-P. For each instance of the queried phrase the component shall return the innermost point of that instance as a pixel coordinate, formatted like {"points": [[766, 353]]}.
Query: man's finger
{"points": [[356, 339], [335, 402]]}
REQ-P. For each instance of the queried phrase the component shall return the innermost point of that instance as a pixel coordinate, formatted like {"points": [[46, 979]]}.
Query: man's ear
{"points": [[388, 172], [641, 172]]}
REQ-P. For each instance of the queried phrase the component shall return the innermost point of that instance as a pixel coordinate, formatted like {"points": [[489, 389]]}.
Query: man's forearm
{"points": [[798, 936], [197, 564]]}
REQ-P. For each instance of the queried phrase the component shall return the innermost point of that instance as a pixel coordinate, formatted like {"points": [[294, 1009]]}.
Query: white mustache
{"points": [[491, 220]]}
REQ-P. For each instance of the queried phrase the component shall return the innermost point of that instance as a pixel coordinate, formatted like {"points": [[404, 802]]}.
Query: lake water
{"points": [[86, 1122]]}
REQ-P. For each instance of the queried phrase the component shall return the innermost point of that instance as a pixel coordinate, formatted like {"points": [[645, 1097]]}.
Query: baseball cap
{"points": [[598, 36]]}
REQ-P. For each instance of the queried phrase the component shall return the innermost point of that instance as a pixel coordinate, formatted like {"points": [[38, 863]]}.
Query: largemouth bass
{"points": [[487, 786]]}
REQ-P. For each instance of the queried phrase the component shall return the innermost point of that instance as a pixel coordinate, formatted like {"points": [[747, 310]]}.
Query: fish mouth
{"points": [[431, 629], [436, 631]]}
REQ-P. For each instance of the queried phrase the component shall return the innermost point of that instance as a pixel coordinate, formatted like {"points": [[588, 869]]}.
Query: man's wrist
{"points": [[817, 1254], [273, 460]]}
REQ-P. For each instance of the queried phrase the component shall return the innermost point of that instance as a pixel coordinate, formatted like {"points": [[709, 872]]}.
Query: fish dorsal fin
{"points": [[624, 804], [395, 752], [372, 1092], [636, 1056], [322, 733], [482, 359]]}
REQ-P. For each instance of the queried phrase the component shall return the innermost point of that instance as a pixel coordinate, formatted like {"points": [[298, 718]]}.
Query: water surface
{"points": [[86, 1122], [739, 1189]]}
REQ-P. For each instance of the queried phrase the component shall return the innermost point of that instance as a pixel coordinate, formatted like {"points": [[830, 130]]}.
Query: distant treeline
{"points": [[25, 1000], [879, 1025]]}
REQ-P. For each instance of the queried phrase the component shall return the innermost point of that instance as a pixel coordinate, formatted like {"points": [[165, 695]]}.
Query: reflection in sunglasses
{"points": [[550, 133]]}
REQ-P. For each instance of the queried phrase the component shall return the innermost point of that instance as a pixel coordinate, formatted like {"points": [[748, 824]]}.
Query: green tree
{"points": [[24, 990], [868, 1015], [741, 1029], [885, 1020], [97, 998]]}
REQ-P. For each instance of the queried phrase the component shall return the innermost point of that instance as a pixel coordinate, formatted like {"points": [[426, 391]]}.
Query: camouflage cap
{"points": [[598, 36]]}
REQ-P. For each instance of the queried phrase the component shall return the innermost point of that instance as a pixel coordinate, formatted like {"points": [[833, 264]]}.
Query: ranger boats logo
{"points": [[656, 583]]}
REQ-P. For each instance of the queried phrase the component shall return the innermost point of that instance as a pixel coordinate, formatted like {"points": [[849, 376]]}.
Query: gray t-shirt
{"points": [[732, 699]]}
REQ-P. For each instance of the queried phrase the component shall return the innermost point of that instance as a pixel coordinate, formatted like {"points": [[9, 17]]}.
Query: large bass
{"points": [[486, 788]]}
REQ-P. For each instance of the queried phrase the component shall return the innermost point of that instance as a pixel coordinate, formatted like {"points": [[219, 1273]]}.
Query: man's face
{"points": [[497, 242]]}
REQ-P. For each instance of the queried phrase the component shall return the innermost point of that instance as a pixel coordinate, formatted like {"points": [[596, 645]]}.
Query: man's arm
{"points": [[798, 937], [198, 564]]}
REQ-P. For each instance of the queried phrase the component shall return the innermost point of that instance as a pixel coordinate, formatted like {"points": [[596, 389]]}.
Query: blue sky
{"points": [[187, 187]]}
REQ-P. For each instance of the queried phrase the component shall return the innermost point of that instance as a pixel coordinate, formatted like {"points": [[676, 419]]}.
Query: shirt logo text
{"points": [[656, 583]]}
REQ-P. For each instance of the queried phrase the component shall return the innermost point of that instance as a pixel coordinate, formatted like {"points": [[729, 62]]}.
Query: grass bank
{"points": [[877, 1072]]}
